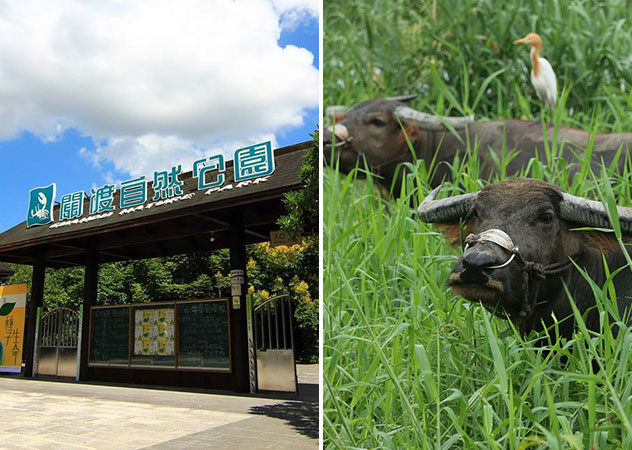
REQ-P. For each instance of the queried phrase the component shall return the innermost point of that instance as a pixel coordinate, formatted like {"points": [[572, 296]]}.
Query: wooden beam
{"points": [[68, 246], [122, 256], [238, 316], [162, 235], [225, 223], [255, 234], [36, 300], [208, 218], [65, 262], [91, 280], [109, 242]]}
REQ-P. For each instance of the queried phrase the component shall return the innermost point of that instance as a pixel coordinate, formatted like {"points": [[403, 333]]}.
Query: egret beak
{"points": [[521, 41]]}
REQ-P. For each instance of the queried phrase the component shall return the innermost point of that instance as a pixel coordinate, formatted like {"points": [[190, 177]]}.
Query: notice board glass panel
{"points": [[203, 335], [154, 336], [110, 335]]}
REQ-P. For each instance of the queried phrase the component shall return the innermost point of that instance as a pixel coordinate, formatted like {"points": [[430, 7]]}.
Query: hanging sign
{"points": [[236, 280], [237, 277], [12, 314], [251, 165], [280, 237]]}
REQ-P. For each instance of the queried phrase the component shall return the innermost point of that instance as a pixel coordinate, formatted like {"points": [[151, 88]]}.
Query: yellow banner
{"points": [[12, 314]]}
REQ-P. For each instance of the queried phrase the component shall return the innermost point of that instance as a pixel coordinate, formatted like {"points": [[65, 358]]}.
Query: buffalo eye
{"points": [[377, 122], [546, 218]]}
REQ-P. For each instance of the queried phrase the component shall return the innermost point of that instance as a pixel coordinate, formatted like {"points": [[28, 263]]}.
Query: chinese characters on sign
{"points": [[71, 206], [251, 165], [253, 162], [102, 199], [133, 192], [202, 166], [12, 314], [166, 184]]}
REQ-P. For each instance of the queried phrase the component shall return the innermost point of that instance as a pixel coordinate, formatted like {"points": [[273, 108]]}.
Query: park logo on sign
{"points": [[252, 165], [41, 202]]}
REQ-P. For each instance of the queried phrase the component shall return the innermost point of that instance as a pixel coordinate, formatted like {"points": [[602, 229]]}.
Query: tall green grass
{"points": [[460, 57], [406, 363], [409, 365]]}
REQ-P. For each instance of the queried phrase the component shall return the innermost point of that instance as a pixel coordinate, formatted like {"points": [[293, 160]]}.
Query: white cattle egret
{"points": [[542, 75]]}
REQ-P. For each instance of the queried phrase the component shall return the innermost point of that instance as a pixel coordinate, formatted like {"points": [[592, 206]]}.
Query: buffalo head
{"points": [[519, 241], [372, 130]]}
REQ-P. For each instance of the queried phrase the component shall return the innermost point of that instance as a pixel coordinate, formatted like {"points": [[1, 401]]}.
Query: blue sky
{"points": [[94, 109]]}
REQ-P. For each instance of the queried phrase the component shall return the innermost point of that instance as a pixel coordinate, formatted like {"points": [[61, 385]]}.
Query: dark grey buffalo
{"points": [[519, 245], [371, 130]]}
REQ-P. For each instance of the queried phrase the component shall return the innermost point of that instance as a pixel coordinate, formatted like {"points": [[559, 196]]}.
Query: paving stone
{"points": [[55, 415]]}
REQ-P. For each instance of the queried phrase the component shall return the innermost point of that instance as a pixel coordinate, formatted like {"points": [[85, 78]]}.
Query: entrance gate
{"points": [[274, 341], [57, 343]]}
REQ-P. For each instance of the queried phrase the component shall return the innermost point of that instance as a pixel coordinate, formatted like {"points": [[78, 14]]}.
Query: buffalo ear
{"points": [[340, 117], [453, 232], [411, 130], [604, 242]]}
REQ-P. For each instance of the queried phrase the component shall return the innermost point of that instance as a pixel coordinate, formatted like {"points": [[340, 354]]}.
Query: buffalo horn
{"points": [[335, 110], [429, 122], [445, 210], [402, 98], [592, 213]]}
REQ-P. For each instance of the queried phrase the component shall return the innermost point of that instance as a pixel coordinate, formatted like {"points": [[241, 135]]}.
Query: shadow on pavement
{"points": [[301, 415]]}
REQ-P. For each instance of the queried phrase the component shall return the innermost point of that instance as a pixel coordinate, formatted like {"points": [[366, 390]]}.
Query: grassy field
{"points": [[407, 364]]}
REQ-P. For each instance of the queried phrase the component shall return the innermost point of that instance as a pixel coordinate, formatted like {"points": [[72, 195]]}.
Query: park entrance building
{"points": [[184, 342]]}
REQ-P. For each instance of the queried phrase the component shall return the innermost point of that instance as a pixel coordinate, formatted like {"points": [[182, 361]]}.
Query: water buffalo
{"points": [[371, 130], [520, 247]]}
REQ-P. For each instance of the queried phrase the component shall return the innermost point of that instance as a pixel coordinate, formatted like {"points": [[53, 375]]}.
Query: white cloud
{"points": [[144, 154], [311, 6], [158, 81], [295, 12]]}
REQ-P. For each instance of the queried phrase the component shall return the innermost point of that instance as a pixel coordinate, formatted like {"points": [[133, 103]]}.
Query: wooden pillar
{"points": [[37, 299], [91, 278], [238, 317]]}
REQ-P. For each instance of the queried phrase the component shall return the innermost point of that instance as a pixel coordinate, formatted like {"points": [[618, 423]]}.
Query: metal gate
{"points": [[274, 341], [58, 332]]}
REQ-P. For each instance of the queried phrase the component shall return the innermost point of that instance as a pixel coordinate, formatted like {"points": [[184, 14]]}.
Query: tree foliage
{"points": [[302, 205], [271, 271]]}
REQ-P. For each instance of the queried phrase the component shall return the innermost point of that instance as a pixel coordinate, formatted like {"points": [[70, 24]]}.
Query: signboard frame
{"points": [[251, 164], [280, 237], [176, 367], [17, 296]]}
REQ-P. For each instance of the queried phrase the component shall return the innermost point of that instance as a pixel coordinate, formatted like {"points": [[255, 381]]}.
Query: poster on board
{"points": [[154, 332], [12, 314]]}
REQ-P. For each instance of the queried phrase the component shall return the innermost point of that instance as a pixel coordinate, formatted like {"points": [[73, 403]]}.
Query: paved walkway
{"points": [[56, 415]]}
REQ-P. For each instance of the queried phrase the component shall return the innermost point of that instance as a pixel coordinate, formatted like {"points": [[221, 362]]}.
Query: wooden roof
{"points": [[198, 223], [5, 271]]}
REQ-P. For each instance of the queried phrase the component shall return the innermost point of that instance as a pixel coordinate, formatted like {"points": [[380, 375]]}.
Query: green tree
{"points": [[293, 271], [271, 271], [302, 205]]}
